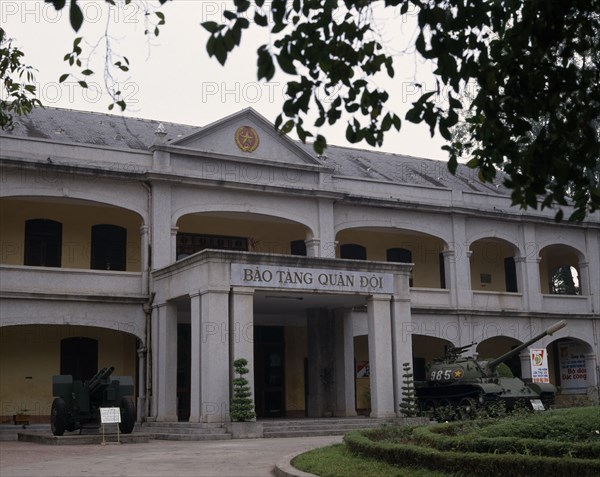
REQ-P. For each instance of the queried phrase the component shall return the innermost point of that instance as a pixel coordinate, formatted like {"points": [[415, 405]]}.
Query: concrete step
{"points": [[185, 431], [305, 433], [321, 427], [9, 432], [188, 437], [182, 430], [344, 427]]}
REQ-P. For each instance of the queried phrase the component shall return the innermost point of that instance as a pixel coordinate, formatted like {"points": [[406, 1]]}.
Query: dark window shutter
{"points": [[510, 274], [43, 243], [109, 247], [354, 251]]}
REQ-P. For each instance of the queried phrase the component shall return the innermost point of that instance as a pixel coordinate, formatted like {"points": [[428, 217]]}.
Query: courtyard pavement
{"points": [[230, 458]]}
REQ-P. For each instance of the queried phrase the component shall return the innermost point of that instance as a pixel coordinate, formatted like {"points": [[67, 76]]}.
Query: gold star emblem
{"points": [[457, 374], [246, 138]]}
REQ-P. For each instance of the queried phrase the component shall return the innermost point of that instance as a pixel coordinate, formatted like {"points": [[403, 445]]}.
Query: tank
{"points": [[458, 386]]}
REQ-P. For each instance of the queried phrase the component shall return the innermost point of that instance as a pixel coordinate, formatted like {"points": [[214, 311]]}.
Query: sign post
{"points": [[539, 365], [110, 415]]}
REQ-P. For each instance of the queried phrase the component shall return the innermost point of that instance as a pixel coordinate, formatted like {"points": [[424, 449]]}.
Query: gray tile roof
{"points": [[117, 131]]}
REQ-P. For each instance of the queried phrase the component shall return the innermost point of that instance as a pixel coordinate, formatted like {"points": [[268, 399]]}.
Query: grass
{"points": [[337, 461], [558, 429]]}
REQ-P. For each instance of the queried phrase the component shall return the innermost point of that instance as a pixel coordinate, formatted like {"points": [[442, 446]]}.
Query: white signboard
{"points": [[110, 415], [573, 372], [539, 365], [296, 278]]}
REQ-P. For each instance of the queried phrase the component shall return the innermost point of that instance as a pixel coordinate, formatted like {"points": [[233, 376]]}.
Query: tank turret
{"points": [[459, 385]]}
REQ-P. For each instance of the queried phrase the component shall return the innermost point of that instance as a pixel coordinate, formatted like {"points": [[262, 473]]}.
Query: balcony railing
{"points": [[488, 300], [434, 297], [15, 278], [565, 303]]}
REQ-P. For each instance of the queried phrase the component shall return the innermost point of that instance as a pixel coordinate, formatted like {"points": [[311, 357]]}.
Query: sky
{"points": [[172, 78]]}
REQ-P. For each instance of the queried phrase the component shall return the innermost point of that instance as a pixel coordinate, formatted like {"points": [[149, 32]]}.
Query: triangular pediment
{"points": [[248, 135]]}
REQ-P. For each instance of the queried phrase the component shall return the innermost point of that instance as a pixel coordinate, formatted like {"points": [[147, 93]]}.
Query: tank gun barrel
{"points": [[513, 352]]}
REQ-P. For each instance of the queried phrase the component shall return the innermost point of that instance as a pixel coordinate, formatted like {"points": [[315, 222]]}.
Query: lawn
{"points": [[564, 442]]}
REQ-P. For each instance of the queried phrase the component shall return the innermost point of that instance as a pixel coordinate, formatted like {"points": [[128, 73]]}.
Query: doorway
{"points": [[269, 371]]}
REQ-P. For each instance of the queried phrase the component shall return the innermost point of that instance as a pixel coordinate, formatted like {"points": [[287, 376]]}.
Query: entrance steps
{"points": [[321, 427], [185, 431]]}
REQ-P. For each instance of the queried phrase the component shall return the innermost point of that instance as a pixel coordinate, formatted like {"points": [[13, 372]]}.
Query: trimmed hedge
{"points": [[470, 464], [506, 445]]}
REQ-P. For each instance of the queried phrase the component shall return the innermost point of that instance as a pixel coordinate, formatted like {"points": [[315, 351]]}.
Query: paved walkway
{"points": [[233, 458]]}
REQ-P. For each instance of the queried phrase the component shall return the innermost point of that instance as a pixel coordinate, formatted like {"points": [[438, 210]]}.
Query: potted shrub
{"points": [[242, 413]]}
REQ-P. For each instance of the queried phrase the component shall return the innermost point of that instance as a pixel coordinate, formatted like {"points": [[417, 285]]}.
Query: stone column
{"points": [[141, 400], [161, 223], [401, 333], [525, 364], [196, 365], [380, 356], [528, 270], [241, 326], [174, 244], [165, 362], [591, 371], [584, 280], [460, 267], [144, 256], [344, 364], [313, 247], [214, 356], [328, 243], [321, 371]]}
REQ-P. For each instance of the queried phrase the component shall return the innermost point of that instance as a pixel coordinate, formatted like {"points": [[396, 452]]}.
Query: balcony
{"points": [[430, 297], [488, 300], [565, 304], [69, 281]]}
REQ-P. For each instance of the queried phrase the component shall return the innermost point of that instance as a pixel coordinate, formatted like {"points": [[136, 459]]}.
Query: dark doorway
{"points": [[109, 247], [269, 367], [510, 275], [43, 243], [79, 357], [184, 370]]}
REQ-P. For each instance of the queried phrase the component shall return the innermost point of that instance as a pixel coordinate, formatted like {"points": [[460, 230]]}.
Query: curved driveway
{"points": [[233, 458]]}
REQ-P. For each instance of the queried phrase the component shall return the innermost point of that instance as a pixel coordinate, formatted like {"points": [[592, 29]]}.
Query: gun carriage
{"points": [[78, 403]]}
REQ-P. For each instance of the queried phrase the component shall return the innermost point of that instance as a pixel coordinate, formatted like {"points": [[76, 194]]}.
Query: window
{"points": [[109, 247], [510, 275], [354, 251], [188, 244], [79, 357], [43, 243], [298, 247], [564, 281], [400, 255], [442, 271]]}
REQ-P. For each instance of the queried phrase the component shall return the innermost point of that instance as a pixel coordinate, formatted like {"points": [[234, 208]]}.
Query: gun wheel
{"points": [[128, 415], [59, 417]]}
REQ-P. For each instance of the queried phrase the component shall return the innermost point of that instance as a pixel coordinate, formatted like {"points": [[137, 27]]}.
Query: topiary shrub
{"points": [[408, 406], [242, 407]]}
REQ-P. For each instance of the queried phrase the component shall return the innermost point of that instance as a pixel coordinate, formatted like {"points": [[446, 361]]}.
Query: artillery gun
{"points": [[457, 386], [79, 402]]}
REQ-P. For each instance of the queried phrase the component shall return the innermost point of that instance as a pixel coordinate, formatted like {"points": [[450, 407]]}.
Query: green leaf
{"points": [[63, 77], [87, 72], [75, 16], [211, 27]]}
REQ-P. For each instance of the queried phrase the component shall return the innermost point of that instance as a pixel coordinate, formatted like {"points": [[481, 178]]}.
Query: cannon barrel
{"points": [[96, 382], [513, 352]]}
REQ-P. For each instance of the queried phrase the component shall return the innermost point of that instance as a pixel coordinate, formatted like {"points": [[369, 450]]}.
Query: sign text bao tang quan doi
{"points": [[310, 278]]}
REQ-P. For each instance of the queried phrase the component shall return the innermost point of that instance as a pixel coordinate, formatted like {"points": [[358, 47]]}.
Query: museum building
{"points": [[168, 251]]}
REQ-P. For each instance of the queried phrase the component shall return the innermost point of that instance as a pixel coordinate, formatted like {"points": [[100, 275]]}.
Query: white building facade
{"points": [[168, 251]]}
